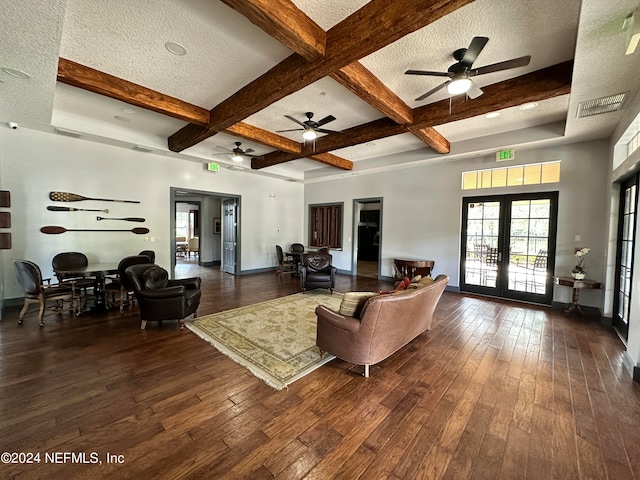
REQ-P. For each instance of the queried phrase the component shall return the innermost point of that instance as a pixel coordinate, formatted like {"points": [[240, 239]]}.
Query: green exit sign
{"points": [[503, 155], [213, 167]]}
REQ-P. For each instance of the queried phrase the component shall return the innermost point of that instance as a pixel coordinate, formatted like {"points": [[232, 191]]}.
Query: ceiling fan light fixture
{"points": [[309, 134], [527, 106], [459, 84], [237, 158]]}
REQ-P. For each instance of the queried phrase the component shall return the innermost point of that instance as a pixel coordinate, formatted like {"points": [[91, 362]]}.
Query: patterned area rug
{"points": [[275, 340]]}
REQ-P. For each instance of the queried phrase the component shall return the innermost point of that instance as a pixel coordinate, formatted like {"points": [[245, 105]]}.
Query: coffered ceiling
{"points": [[102, 69]]}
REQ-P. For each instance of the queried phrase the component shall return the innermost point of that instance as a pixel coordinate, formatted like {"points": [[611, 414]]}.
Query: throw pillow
{"points": [[154, 277], [426, 281], [404, 284], [353, 303], [416, 279]]}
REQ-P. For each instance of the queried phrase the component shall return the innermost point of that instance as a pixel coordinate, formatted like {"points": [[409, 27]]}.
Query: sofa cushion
{"points": [[155, 277], [353, 303]]}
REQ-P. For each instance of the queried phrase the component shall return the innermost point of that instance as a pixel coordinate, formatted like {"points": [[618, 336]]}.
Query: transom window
{"points": [[530, 174]]}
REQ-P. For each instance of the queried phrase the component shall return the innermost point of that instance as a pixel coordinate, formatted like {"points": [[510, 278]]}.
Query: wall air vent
{"points": [[601, 105], [138, 148], [235, 167], [68, 133]]}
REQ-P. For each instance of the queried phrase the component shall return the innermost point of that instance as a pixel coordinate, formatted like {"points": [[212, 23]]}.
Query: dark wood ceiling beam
{"points": [[357, 78], [331, 160], [433, 138], [285, 22], [95, 81], [367, 30], [264, 137], [535, 86]]}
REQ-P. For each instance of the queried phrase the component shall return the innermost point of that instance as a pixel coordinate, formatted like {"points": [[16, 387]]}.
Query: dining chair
{"points": [[121, 284], [39, 290], [71, 260], [285, 263], [193, 246], [149, 253]]}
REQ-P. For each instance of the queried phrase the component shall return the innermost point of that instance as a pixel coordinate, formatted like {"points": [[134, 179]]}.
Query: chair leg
{"points": [[121, 300], [41, 313], [23, 311], [143, 325], [181, 322], [366, 371]]}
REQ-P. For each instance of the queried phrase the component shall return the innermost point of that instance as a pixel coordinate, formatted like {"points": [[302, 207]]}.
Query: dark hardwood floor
{"points": [[495, 390]]}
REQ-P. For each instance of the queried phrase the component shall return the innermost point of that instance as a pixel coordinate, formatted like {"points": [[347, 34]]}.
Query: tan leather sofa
{"points": [[386, 324]]}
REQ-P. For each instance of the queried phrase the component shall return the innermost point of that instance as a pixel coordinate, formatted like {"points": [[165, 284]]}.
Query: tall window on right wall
{"points": [[325, 225]]}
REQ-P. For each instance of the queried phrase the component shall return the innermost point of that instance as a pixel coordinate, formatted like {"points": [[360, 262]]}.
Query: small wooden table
{"points": [[410, 267], [576, 285]]}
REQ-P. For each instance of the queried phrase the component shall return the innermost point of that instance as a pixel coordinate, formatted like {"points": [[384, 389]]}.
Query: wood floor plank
{"points": [[496, 389]]}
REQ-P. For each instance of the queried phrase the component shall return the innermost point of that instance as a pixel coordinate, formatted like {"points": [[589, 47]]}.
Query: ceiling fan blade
{"points": [[324, 130], [474, 49], [474, 91], [291, 130], [506, 65], [325, 120], [426, 72], [295, 120], [432, 91], [248, 150]]}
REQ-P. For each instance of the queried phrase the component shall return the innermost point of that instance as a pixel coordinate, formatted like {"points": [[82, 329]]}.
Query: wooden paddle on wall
{"points": [[126, 219], [74, 197], [54, 230], [54, 208]]}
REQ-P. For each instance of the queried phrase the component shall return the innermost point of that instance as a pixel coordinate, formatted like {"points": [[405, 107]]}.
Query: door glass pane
{"points": [[481, 262], [528, 246]]}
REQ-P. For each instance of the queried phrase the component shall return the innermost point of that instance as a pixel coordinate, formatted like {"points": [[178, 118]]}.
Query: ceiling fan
{"points": [[459, 73], [238, 152], [311, 128]]}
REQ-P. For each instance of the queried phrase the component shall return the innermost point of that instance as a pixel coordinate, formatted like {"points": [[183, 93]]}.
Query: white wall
{"points": [[422, 210], [34, 163]]}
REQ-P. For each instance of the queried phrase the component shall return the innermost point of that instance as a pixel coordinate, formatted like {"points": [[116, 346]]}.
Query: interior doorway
{"points": [[198, 215], [367, 238]]}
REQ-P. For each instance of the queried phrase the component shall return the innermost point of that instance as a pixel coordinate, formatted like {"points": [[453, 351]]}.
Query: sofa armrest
{"points": [[349, 324]]}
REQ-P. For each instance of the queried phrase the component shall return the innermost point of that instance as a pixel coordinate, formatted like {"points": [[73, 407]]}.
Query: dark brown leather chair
{"points": [[316, 271], [160, 298], [286, 264], [149, 253], [39, 290], [121, 283], [70, 260]]}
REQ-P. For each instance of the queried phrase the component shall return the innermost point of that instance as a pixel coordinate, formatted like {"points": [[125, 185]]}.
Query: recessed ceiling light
{"points": [[129, 111], [175, 48], [121, 118], [492, 115], [528, 106], [15, 73]]}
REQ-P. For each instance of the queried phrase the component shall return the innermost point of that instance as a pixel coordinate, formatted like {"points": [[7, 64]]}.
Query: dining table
{"points": [[97, 271]]}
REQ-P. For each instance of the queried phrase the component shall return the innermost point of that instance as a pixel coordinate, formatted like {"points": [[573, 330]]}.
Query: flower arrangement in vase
{"points": [[578, 271]]}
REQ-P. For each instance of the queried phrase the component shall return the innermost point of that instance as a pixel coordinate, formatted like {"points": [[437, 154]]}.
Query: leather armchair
{"points": [[316, 271], [162, 299]]}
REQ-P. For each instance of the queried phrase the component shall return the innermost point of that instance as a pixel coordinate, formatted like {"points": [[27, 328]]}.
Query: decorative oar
{"points": [[54, 208], [74, 197], [53, 230], [126, 219]]}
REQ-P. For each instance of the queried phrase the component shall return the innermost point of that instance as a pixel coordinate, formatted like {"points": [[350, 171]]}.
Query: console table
{"points": [[408, 267], [576, 285]]}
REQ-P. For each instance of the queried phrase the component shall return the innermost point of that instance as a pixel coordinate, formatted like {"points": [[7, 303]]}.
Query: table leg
{"points": [[574, 303]]}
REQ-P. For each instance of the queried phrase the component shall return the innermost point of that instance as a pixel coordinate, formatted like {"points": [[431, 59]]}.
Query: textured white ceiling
{"points": [[225, 52]]}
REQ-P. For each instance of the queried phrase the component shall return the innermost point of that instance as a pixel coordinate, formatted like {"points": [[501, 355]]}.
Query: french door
{"points": [[508, 246], [624, 263]]}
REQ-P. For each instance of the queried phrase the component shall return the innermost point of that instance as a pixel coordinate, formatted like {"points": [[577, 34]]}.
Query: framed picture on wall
{"points": [[216, 225]]}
